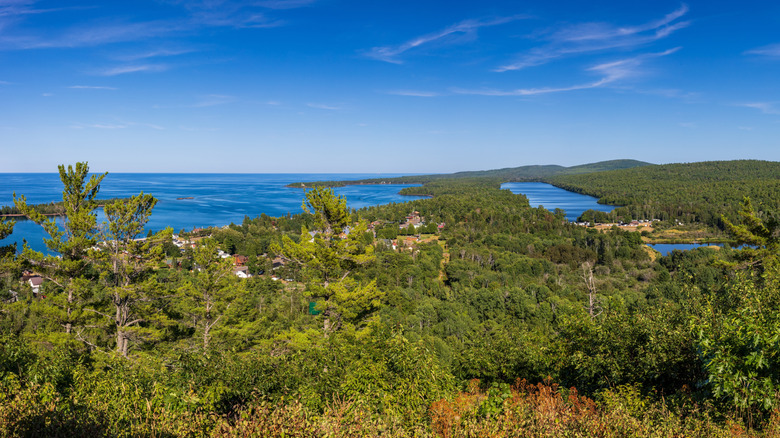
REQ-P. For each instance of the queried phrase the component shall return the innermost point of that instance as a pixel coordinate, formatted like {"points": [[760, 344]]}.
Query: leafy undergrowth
{"points": [[529, 410]]}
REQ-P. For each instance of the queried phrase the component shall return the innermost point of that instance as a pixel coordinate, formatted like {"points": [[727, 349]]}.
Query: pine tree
{"points": [[210, 291], [134, 298], [330, 260], [74, 241]]}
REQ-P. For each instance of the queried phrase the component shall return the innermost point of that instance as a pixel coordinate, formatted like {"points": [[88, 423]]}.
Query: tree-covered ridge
{"points": [[689, 192], [50, 208], [456, 315], [523, 173]]}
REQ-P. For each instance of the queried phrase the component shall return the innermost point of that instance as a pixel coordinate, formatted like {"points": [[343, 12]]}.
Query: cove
{"points": [[551, 197]]}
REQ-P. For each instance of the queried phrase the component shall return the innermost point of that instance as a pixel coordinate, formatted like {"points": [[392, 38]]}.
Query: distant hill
{"points": [[522, 173]]}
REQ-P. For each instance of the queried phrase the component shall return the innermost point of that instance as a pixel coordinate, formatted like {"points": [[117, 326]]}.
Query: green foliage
{"points": [[499, 294], [330, 261], [692, 192], [209, 292]]}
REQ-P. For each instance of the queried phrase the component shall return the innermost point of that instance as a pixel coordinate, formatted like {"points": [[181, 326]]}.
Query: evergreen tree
{"points": [[74, 242], [210, 291], [330, 261], [6, 228], [128, 265]]}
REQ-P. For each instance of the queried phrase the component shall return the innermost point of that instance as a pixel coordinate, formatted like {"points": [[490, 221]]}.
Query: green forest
{"points": [[465, 314]]}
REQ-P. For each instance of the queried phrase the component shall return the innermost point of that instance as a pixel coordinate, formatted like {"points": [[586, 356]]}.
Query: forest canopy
{"points": [[499, 319]]}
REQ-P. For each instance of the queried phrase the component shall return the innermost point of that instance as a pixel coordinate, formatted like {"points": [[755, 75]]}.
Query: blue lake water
{"points": [[218, 199], [552, 197], [666, 248]]}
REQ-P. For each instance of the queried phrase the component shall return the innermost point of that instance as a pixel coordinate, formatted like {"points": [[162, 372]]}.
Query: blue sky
{"points": [[384, 86]]}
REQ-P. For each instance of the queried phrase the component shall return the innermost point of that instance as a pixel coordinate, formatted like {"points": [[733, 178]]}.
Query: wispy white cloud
{"points": [[125, 69], [116, 125], [205, 101], [414, 93], [214, 100], [285, 4], [11, 10], [91, 87], [196, 15], [323, 106], [226, 13], [765, 107], [47, 94], [772, 50], [88, 34], [469, 27], [98, 126], [157, 53], [671, 93], [594, 37], [610, 72]]}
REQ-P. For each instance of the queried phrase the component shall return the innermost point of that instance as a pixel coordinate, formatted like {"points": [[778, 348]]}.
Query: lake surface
{"points": [[666, 248], [552, 197], [217, 199]]}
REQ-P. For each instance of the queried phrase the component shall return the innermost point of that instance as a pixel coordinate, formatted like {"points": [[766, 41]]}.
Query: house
{"points": [[240, 260], [241, 272], [34, 280], [278, 262], [35, 283], [413, 219]]}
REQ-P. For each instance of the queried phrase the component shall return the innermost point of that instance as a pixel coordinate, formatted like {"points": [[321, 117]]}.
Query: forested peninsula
{"points": [[465, 314], [47, 209]]}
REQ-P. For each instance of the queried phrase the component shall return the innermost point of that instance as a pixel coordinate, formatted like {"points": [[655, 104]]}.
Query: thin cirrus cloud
{"points": [[117, 125], [214, 100], [323, 106], [594, 37], [392, 54], [206, 101], [109, 30], [86, 35], [772, 51], [414, 93], [158, 53], [764, 107], [611, 72], [285, 4], [91, 87], [125, 69]]}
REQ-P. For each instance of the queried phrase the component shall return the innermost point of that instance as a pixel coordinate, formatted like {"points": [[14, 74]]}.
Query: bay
{"points": [[216, 199], [551, 197]]}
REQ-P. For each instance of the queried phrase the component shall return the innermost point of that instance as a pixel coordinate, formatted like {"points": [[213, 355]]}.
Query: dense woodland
{"points": [[698, 193], [523, 173], [505, 321], [49, 209], [691, 192]]}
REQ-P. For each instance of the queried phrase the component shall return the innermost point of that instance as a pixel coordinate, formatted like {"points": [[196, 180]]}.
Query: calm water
{"points": [[666, 248], [218, 199], [552, 197]]}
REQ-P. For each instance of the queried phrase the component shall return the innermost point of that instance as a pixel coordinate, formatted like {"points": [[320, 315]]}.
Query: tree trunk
{"points": [[69, 323]]}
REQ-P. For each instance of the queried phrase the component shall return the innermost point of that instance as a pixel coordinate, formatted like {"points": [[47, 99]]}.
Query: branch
{"points": [[99, 313], [81, 338]]}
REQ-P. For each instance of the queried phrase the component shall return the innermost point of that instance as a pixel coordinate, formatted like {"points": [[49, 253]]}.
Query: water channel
{"points": [[551, 197], [574, 204]]}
